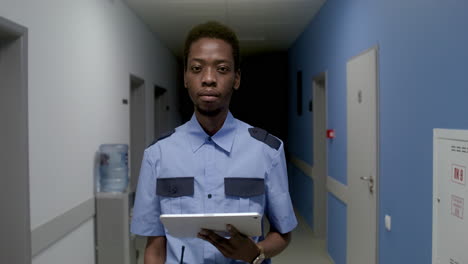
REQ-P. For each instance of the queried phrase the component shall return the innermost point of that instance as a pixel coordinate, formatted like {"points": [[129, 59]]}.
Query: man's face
{"points": [[210, 76]]}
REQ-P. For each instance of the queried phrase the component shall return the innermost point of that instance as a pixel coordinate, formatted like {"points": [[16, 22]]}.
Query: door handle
{"points": [[370, 180]]}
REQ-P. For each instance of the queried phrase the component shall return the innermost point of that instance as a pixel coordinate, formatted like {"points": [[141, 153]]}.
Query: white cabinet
{"points": [[450, 226]]}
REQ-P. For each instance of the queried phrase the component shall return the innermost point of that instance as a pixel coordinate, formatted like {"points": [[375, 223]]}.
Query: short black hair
{"points": [[216, 30]]}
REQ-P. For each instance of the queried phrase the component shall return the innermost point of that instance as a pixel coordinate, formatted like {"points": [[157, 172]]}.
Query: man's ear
{"points": [[237, 80], [185, 81]]}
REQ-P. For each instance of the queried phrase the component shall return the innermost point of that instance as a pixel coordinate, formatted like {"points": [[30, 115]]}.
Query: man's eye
{"points": [[196, 68], [223, 69]]}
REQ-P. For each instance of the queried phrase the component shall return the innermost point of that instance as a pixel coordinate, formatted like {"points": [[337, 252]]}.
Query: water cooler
{"points": [[114, 242]]}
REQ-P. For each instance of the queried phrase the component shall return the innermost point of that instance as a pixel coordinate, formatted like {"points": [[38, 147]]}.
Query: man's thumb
{"points": [[232, 230]]}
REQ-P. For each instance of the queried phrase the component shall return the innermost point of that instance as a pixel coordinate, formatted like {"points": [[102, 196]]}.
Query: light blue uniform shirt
{"points": [[231, 161]]}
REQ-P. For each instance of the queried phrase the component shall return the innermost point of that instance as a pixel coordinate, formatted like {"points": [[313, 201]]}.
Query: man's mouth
{"points": [[208, 97]]}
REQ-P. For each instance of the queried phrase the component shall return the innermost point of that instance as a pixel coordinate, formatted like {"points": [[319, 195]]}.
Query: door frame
{"points": [[320, 181], [17, 220], [137, 93], [377, 150], [160, 120]]}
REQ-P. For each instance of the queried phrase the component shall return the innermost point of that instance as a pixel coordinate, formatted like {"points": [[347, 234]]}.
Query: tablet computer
{"points": [[189, 225]]}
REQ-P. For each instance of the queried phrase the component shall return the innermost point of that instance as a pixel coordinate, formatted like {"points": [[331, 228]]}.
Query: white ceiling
{"points": [[261, 25]]}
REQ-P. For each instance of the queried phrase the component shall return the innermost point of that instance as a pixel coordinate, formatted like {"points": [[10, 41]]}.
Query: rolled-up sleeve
{"points": [[146, 211], [279, 207]]}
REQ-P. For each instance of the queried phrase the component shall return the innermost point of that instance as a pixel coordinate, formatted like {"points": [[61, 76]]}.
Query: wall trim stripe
{"points": [[338, 189], [303, 166], [47, 234]]}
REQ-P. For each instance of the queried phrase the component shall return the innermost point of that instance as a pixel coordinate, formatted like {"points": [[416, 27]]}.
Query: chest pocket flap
{"points": [[244, 187], [175, 187]]}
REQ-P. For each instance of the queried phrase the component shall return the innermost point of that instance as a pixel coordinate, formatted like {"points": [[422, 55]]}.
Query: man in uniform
{"points": [[214, 163]]}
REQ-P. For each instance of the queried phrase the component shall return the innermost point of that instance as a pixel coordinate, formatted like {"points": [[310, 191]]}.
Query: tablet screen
{"points": [[188, 225]]}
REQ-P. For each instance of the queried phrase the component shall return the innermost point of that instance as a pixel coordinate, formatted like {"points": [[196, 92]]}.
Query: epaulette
{"points": [[263, 136], [163, 136]]}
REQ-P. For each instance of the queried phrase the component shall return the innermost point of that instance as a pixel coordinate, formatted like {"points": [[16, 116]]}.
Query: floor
{"points": [[303, 248]]}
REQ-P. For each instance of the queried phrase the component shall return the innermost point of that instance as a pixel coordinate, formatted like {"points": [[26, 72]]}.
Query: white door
{"points": [[319, 168], [362, 157]]}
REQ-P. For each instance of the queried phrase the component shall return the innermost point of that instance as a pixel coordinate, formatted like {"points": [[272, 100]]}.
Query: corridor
{"points": [[357, 90]]}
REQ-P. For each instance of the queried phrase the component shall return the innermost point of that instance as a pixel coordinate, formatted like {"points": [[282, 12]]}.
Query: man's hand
{"points": [[239, 246]]}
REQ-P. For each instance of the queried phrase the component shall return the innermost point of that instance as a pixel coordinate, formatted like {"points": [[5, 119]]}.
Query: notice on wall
{"points": [[457, 206]]}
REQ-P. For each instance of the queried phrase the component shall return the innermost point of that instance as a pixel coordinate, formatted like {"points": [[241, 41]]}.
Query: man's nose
{"points": [[209, 77]]}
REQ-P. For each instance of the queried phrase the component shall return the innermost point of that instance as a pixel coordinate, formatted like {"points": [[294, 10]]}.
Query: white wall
{"points": [[65, 249], [80, 56]]}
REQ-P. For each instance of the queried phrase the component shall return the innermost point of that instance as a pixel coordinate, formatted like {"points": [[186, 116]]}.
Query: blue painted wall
{"points": [[336, 229], [303, 195], [423, 64]]}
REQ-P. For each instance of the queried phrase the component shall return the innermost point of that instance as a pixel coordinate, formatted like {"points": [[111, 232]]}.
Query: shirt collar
{"points": [[224, 138]]}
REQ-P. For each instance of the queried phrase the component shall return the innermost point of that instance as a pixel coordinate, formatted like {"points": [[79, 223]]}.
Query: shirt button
{"points": [[209, 139], [209, 196]]}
